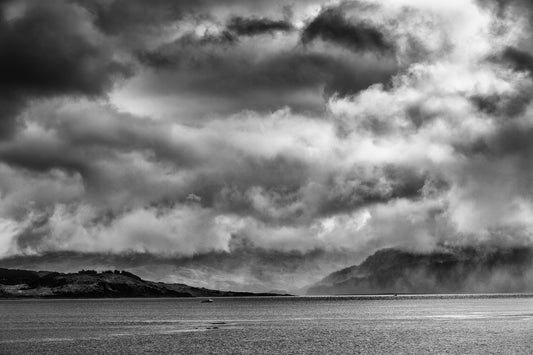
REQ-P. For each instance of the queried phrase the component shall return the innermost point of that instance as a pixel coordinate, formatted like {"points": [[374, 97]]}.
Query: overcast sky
{"points": [[296, 135]]}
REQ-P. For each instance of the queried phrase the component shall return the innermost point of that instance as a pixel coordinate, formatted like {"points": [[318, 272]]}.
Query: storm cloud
{"points": [[255, 26], [198, 138], [331, 25], [48, 50]]}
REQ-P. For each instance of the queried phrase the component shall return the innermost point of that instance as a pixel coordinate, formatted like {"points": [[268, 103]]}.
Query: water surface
{"points": [[297, 325]]}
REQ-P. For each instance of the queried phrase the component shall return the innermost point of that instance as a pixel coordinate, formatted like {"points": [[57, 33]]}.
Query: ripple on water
{"points": [[266, 326]]}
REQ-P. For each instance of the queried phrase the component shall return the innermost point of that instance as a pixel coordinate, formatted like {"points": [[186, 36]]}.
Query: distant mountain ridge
{"points": [[453, 270], [91, 284]]}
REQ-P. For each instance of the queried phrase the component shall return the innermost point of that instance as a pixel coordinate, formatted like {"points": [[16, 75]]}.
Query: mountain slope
{"points": [[460, 270], [90, 284]]}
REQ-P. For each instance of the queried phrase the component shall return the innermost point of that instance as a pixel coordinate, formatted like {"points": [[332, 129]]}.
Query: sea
{"points": [[429, 324]]}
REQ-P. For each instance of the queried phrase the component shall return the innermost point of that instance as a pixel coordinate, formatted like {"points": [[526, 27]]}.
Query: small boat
{"points": [[209, 300]]}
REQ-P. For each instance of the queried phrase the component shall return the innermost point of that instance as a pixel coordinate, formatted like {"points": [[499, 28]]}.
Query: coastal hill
{"points": [[92, 284], [452, 270]]}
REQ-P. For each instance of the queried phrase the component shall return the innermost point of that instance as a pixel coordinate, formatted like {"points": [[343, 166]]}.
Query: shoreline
{"points": [[354, 297]]}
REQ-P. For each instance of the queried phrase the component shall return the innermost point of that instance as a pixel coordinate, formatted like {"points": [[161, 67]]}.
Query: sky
{"points": [[260, 145]]}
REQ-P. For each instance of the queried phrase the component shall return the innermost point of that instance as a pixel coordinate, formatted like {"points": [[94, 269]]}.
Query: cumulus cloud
{"points": [[293, 134]]}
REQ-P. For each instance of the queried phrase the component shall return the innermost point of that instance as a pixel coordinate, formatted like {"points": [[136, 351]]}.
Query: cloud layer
{"points": [[191, 128]]}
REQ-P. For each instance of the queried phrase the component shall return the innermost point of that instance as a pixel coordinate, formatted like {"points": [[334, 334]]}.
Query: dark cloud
{"points": [[225, 66], [216, 71], [501, 6], [42, 156], [82, 148], [130, 16], [134, 20], [362, 188], [508, 106], [512, 104], [332, 26], [187, 51], [11, 105], [256, 26], [510, 141], [34, 234], [518, 59], [50, 49]]}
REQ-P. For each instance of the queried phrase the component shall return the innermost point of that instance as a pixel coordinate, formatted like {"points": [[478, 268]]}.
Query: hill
{"points": [[92, 284], [452, 270]]}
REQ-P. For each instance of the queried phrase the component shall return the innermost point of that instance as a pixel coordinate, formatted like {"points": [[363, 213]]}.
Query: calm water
{"points": [[302, 325]]}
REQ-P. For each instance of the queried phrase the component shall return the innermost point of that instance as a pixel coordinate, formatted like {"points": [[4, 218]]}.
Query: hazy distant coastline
{"points": [[448, 271]]}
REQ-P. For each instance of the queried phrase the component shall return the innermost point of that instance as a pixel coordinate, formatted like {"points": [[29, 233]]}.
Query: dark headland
{"points": [[91, 284]]}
